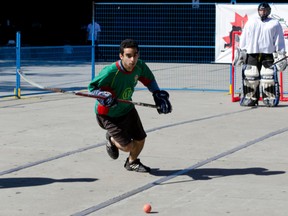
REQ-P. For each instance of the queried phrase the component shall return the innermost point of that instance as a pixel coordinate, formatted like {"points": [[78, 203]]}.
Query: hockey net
{"points": [[236, 75]]}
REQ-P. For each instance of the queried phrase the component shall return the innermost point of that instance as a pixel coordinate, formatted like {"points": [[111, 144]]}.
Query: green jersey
{"points": [[121, 83]]}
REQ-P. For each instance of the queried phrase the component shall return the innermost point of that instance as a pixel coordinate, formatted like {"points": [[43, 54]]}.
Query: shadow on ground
{"points": [[210, 173], [30, 181]]}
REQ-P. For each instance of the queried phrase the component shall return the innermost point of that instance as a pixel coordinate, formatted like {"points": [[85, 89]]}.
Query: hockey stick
{"points": [[58, 90]]}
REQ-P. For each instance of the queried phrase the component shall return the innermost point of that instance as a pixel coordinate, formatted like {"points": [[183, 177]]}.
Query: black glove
{"points": [[105, 98], [161, 99]]}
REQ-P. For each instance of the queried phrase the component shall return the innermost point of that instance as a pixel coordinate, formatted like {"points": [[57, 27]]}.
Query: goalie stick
{"points": [[83, 94]]}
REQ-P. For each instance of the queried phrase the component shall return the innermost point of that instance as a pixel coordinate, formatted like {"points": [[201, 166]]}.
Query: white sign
{"points": [[233, 17]]}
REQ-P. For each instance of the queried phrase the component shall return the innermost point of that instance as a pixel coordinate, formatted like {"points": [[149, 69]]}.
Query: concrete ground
{"points": [[208, 157]]}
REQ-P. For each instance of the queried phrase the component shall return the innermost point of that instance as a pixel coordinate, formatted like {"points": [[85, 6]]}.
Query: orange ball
{"points": [[147, 208]]}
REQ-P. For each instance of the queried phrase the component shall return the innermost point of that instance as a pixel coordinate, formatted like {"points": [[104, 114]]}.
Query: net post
{"points": [[232, 80], [282, 97]]}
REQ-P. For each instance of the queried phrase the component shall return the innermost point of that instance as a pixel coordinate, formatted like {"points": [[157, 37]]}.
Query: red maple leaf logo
{"points": [[285, 33], [237, 25]]}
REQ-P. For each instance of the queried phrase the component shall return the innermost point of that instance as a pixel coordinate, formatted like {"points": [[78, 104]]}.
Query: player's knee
{"points": [[267, 76], [251, 73], [251, 77]]}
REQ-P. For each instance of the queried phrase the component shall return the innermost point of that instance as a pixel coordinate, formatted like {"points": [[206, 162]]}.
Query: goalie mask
{"points": [[264, 10]]}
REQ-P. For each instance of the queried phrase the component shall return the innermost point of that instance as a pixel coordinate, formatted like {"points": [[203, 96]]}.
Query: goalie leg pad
{"points": [[250, 86], [269, 86]]}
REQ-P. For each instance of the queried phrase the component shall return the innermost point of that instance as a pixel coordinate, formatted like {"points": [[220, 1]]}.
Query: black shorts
{"points": [[258, 59], [123, 129]]}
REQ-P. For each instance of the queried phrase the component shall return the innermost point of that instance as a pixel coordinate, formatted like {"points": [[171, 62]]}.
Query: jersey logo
{"points": [[127, 93]]}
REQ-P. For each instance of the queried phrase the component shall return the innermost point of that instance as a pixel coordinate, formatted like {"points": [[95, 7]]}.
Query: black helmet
{"points": [[266, 7]]}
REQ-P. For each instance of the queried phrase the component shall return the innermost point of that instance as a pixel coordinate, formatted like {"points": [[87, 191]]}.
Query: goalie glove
{"points": [[162, 102], [105, 98], [282, 64], [240, 57]]}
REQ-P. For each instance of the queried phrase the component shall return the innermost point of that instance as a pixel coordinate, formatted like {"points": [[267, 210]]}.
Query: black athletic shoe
{"points": [[111, 149], [136, 166]]}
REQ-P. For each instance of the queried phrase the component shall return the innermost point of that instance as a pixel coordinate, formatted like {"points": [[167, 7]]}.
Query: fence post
{"points": [[17, 90], [93, 42]]}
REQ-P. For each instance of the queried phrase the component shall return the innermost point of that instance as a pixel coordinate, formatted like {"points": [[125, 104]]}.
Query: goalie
{"points": [[261, 45]]}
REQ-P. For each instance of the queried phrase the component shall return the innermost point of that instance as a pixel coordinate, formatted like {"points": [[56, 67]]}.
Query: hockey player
{"points": [[261, 44], [124, 128]]}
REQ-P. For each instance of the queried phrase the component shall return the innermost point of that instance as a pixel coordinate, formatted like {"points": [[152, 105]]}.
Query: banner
{"points": [[233, 17]]}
